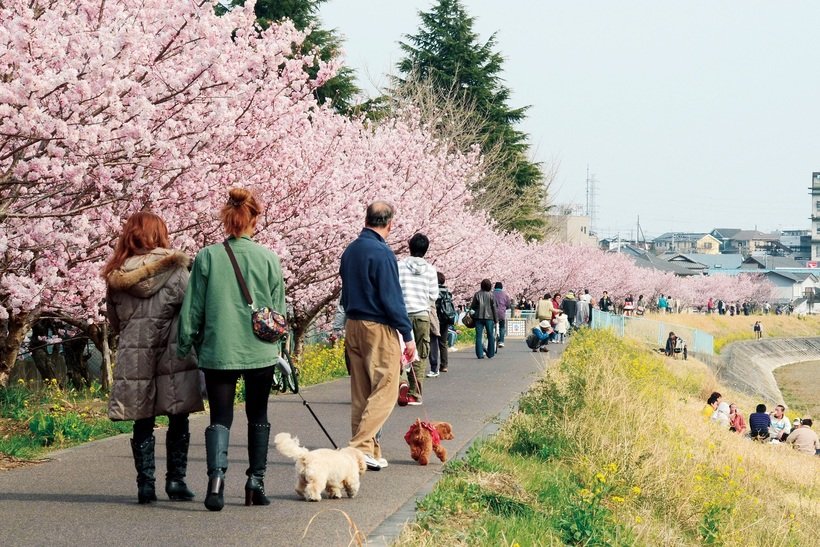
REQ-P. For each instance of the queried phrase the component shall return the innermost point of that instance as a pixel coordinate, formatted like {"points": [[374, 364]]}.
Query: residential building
{"points": [[573, 229], [798, 242], [648, 260], [724, 235], [815, 216], [678, 242], [753, 242]]}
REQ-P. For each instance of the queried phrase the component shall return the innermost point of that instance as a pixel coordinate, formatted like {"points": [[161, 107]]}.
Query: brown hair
{"points": [[143, 231], [239, 212]]}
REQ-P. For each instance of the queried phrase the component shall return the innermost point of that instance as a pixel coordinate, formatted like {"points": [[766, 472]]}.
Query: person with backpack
{"points": [[446, 312]]}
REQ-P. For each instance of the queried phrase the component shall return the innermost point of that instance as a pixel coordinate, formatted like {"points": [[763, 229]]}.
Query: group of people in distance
{"points": [[773, 427]]}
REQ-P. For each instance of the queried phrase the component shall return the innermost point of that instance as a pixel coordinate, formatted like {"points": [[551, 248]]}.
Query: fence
{"points": [[652, 331]]}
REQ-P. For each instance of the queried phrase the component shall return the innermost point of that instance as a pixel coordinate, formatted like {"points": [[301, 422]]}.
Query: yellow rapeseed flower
{"points": [[638, 520], [600, 477], [617, 499], [612, 467], [636, 490]]}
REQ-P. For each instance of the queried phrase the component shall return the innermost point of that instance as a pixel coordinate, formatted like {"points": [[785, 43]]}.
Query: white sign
{"points": [[516, 328]]}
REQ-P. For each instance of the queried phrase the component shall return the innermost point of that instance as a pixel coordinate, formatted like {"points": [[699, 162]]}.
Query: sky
{"points": [[690, 115]]}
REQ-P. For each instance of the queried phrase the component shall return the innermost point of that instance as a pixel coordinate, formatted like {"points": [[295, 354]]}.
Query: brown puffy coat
{"points": [[144, 297]]}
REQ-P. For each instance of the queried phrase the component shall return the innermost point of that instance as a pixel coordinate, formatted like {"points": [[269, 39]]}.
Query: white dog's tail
{"points": [[289, 446]]}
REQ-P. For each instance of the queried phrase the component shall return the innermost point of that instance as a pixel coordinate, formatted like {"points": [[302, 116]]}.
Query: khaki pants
{"points": [[421, 332], [375, 367]]}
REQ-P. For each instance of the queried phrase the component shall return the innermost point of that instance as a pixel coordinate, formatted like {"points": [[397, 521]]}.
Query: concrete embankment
{"points": [[747, 366]]}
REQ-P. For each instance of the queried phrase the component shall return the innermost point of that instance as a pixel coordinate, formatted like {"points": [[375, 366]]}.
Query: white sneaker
{"points": [[501, 344], [372, 463], [432, 374], [382, 462]]}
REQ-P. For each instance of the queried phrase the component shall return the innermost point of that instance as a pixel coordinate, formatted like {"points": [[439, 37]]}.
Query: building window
{"points": [[707, 245]]}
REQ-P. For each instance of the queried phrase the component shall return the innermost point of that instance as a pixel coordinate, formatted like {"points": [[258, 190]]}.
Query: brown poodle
{"points": [[424, 437]]}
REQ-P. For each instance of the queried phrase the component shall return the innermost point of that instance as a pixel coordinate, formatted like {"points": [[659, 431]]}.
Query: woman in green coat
{"points": [[216, 321]]}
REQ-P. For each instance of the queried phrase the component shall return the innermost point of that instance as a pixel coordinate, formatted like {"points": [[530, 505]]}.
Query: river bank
{"points": [[800, 385]]}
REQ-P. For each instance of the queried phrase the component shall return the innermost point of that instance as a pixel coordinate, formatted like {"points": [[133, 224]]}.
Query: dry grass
{"points": [[727, 329], [624, 437]]}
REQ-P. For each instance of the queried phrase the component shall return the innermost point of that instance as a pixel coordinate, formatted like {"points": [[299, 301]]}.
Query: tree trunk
{"points": [[16, 328], [105, 371], [39, 349], [76, 362], [299, 331]]}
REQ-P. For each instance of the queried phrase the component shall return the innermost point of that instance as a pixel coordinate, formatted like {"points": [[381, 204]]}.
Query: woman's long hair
{"points": [[239, 213], [143, 231]]}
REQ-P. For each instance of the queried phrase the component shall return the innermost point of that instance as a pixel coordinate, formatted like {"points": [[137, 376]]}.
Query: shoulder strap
{"points": [[242, 285]]}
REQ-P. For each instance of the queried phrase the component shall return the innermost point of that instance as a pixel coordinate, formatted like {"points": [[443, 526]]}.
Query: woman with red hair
{"points": [[146, 284], [216, 320]]}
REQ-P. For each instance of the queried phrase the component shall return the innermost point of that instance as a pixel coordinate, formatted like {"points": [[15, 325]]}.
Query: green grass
{"points": [[37, 420]]}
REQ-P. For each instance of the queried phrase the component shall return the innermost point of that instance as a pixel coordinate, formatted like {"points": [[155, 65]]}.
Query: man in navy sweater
{"points": [[759, 423], [374, 306]]}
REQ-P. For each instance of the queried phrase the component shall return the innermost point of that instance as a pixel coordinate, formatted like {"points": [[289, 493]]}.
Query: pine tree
{"points": [[341, 89], [447, 54]]}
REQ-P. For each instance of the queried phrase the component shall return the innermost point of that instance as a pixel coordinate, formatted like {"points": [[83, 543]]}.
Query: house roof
{"points": [[797, 277], [644, 259], [771, 263], [724, 233], [711, 262], [679, 236], [754, 235]]}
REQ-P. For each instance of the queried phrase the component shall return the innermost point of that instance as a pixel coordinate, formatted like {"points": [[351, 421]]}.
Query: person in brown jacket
{"points": [[146, 284]]}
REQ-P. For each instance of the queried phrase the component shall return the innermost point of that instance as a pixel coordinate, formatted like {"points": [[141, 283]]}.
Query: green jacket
{"points": [[216, 320]]}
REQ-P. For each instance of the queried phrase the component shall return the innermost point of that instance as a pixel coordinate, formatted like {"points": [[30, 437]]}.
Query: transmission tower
{"points": [[592, 209]]}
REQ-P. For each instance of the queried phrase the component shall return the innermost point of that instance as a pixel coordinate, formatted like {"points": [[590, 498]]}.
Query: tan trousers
{"points": [[375, 366], [421, 334]]}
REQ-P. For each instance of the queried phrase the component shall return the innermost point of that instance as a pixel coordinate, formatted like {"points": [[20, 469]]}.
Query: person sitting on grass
{"points": [[759, 423], [540, 336], [711, 404], [781, 426], [736, 421], [721, 415], [804, 439]]}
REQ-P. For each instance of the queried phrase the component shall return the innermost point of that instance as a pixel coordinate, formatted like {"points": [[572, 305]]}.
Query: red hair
{"points": [[239, 213], [143, 231]]}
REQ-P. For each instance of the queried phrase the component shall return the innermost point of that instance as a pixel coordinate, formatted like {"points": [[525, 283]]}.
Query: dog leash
{"points": [[290, 371]]}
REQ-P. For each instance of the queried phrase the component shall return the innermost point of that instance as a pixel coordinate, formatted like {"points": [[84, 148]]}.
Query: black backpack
{"points": [[532, 341], [445, 307]]}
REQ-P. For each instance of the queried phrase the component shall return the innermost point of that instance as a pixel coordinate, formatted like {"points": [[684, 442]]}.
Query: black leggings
{"points": [[144, 427], [221, 386]]}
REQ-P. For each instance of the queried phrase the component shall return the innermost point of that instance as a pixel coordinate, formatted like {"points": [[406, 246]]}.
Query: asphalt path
{"points": [[87, 495]]}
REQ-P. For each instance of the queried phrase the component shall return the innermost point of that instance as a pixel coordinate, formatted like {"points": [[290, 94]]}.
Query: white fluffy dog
{"points": [[323, 469]]}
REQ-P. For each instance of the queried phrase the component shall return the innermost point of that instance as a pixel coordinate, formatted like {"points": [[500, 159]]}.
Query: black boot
{"points": [[258, 436], [144, 463], [216, 455], [176, 447]]}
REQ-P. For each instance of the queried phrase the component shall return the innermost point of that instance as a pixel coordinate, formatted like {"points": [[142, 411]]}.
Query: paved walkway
{"points": [[87, 495]]}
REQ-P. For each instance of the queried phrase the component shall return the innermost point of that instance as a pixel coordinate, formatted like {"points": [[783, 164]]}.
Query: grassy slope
{"points": [[728, 329], [610, 448]]}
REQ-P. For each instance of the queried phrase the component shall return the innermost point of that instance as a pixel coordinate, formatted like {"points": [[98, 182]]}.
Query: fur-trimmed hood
{"points": [[143, 275]]}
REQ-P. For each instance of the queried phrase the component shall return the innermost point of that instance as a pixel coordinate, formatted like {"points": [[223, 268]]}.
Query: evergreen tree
{"points": [[447, 54], [341, 89]]}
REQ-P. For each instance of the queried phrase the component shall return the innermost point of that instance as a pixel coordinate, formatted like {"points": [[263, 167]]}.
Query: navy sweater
{"points": [[370, 284], [759, 421]]}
